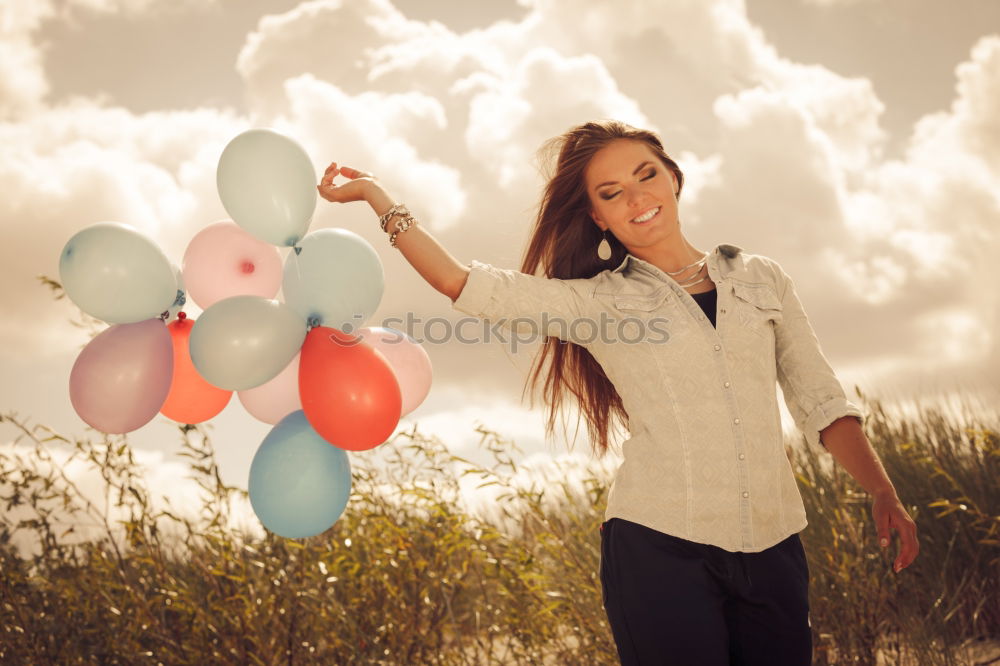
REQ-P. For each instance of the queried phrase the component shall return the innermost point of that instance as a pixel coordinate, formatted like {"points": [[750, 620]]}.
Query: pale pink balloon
{"points": [[408, 361], [223, 260], [276, 398], [122, 377]]}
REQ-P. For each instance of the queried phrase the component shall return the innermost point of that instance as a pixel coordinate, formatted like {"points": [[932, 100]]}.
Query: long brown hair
{"points": [[564, 244]]}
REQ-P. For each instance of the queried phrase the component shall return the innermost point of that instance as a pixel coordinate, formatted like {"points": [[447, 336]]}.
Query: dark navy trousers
{"points": [[671, 601]]}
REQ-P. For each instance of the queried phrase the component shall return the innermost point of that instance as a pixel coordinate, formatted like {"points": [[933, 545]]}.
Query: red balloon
{"points": [[191, 399], [349, 392]]}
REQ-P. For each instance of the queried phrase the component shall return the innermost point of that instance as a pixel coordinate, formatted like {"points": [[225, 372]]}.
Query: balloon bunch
{"points": [[302, 363]]}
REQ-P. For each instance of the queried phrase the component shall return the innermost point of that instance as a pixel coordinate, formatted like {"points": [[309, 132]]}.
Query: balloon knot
{"points": [[182, 315], [180, 299], [298, 249], [313, 321]]}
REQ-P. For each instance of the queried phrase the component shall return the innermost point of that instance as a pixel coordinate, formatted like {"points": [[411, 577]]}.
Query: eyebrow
{"points": [[612, 182]]}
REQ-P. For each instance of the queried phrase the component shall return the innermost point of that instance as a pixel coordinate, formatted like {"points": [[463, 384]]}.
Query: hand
{"points": [[356, 189], [889, 514]]}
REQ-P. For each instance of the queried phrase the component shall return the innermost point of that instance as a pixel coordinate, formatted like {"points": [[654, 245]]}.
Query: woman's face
{"points": [[626, 180]]}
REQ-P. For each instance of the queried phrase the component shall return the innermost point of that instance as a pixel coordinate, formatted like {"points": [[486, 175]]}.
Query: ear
{"points": [[597, 220]]}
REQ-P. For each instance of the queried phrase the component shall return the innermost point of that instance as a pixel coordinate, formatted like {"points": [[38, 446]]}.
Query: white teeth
{"points": [[648, 215]]}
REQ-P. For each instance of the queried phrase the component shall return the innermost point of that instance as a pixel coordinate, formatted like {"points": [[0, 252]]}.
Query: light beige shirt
{"points": [[705, 459]]}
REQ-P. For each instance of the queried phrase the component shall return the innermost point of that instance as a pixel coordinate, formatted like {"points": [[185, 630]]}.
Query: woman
{"points": [[701, 561]]}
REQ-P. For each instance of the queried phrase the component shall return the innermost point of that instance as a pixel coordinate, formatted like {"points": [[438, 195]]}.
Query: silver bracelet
{"points": [[402, 225], [397, 209]]}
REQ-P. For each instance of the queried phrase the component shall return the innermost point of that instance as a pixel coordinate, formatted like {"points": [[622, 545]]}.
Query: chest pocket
{"points": [[640, 304], [758, 307], [644, 317]]}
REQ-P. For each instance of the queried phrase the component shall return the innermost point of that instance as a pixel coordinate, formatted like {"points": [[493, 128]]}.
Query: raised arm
{"points": [[434, 263], [527, 304]]}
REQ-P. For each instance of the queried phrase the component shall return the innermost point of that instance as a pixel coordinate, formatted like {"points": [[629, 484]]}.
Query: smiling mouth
{"points": [[646, 217]]}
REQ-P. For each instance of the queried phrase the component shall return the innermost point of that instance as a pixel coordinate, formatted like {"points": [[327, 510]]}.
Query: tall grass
{"points": [[408, 575]]}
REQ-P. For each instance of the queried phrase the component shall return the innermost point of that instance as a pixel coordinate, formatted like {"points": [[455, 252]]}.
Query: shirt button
{"points": [[718, 347], [736, 420], [742, 456], [726, 384], [746, 494]]}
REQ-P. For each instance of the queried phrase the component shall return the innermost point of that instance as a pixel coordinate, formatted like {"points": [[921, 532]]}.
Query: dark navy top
{"points": [[707, 300]]}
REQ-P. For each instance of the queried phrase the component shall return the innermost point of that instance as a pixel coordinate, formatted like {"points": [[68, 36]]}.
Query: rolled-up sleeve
{"points": [[813, 394], [528, 303]]}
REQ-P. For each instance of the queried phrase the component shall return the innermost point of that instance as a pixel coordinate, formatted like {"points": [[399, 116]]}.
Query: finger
{"points": [[882, 526], [910, 546], [328, 178], [332, 167], [907, 543], [352, 173]]}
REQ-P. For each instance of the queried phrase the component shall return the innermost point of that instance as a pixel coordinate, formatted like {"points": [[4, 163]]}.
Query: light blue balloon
{"points": [[113, 272], [299, 482], [334, 279], [267, 184], [243, 341]]}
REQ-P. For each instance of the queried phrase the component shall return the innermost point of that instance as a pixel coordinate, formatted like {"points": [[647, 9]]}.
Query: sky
{"points": [[856, 142]]}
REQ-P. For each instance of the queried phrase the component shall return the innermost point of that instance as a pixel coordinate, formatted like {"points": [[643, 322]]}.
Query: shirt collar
{"points": [[727, 250]]}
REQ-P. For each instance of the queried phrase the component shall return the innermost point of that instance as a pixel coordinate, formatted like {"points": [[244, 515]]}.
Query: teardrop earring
{"points": [[604, 247]]}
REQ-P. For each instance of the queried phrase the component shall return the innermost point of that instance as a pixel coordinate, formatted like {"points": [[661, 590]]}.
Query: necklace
{"points": [[688, 281]]}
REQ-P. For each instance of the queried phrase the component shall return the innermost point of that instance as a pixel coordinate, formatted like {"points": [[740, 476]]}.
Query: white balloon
{"points": [[267, 184], [243, 341], [113, 272], [335, 279]]}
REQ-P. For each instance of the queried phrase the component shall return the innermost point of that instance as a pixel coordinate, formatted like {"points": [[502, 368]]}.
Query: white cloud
{"points": [[134, 7], [457, 427], [369, 131], [72, 166], [23, 81], [510, 117], [331, 39], [942, 197], [970, 130], [23, 85]]}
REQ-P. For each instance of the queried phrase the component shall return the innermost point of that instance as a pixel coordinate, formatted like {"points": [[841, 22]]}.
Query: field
{"points": [[409, 576]]}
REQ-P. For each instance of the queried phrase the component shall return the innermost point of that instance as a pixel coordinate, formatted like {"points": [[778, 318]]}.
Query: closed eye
{"points": [[608, 197]]}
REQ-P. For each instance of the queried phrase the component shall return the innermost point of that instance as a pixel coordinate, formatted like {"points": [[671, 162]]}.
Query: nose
{"points": [[635, 196]]}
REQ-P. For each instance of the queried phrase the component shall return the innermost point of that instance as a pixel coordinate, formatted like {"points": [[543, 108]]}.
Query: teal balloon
{"points": [[334, 279], [267, 184], [243, 341], [299, 483], [116, 274]]}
